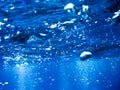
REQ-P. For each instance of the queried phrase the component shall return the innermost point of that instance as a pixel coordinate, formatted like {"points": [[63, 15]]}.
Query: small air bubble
{"points": [[6, 37], [1, 23], [5, 19], [8, 25], [12, 8], [96, 21], [6, 83], [53, 26]]}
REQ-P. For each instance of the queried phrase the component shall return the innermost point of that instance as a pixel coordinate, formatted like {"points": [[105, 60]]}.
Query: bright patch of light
{"points": [[49, 48], [37, 1], [17, 58], [85, 8], [32, 39], [42, 34], [96, 21], [35, 11], [79, 13], [8, 25], [53, 26], [12, 8], [18, 32], [4, 83], [25, 77], [7, 37], [81, 0], [85, 53], [69, 6], [46, 23], [6, 10], [71, 21], [116, 14], [5, 19], [1, 23]]}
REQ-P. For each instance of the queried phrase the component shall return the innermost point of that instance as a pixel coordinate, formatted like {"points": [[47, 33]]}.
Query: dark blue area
{"points": [[41, 43]]}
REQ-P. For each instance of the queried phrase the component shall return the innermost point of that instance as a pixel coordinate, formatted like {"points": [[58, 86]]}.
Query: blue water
{"points": [[41, 43]]}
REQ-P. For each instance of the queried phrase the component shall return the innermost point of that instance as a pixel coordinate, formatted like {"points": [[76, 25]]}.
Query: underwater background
{"points": [[42, 44]]}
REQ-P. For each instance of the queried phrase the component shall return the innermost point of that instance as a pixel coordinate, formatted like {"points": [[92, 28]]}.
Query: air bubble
{"points": [[85, 55], [70, 7]]}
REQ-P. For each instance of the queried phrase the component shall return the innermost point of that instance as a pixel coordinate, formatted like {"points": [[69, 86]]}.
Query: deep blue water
{"points": [[41, 43]]}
